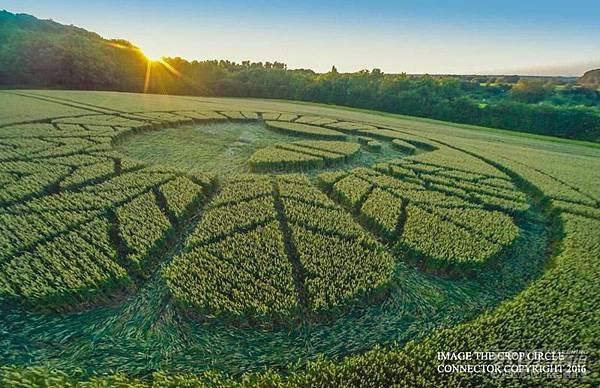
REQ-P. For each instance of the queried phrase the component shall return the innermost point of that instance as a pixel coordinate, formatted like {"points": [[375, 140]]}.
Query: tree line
{"points": [[43, 54]]}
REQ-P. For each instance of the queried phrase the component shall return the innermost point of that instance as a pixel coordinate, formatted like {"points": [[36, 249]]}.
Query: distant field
{"points": [[167, 239]]}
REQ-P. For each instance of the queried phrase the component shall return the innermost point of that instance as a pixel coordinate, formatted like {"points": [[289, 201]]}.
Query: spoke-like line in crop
{"points": [[88, 105], [61, 180], [47, 120], [31, 247], [301, 150], [402, 217], [324, 232], [13, 146], [88, 182], [49, 189], [427, 184], [521, 183], [312, 203], [49, 157], [405, 199], [363, 199], [577, 189], [161, 202], [82, 105], [152, 303], [234, 202], [118, 166], [116, 240], [298, 270], [409, 133], [553, 222], [310, 147], [450, 220], [581, 214], [448, 169], [355, 213], [238, 230]]}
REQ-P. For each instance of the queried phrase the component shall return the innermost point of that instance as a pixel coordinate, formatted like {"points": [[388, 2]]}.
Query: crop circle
{"points": [[314, 223]]}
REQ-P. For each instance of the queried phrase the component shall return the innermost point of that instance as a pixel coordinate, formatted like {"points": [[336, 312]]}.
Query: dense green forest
{"points": [[43, 54]]}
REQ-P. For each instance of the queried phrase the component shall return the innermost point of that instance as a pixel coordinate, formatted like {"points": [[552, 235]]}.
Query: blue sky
{"points": [[467, 37]]}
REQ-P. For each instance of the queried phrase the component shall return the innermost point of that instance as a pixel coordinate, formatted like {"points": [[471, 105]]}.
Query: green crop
{"points": [[302, 155], [182, 267], [298, 129]]}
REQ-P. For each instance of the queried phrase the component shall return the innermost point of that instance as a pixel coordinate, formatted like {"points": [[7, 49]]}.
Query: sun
{"points": [[152, 61], [151, 55]]}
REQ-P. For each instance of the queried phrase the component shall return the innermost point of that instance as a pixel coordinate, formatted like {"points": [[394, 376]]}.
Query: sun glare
{"points": [[154, 60], [151, 55]]}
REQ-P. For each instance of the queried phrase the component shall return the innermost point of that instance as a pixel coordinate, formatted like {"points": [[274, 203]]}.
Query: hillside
{"points": [[591, 79], [43, 53]]}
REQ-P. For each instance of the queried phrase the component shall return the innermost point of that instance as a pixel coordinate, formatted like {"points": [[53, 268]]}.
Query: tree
{"points": [[529, 91]]}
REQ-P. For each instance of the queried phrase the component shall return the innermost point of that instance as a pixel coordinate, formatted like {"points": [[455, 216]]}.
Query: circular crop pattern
{"points": [[86, 222], [249, 238]]}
